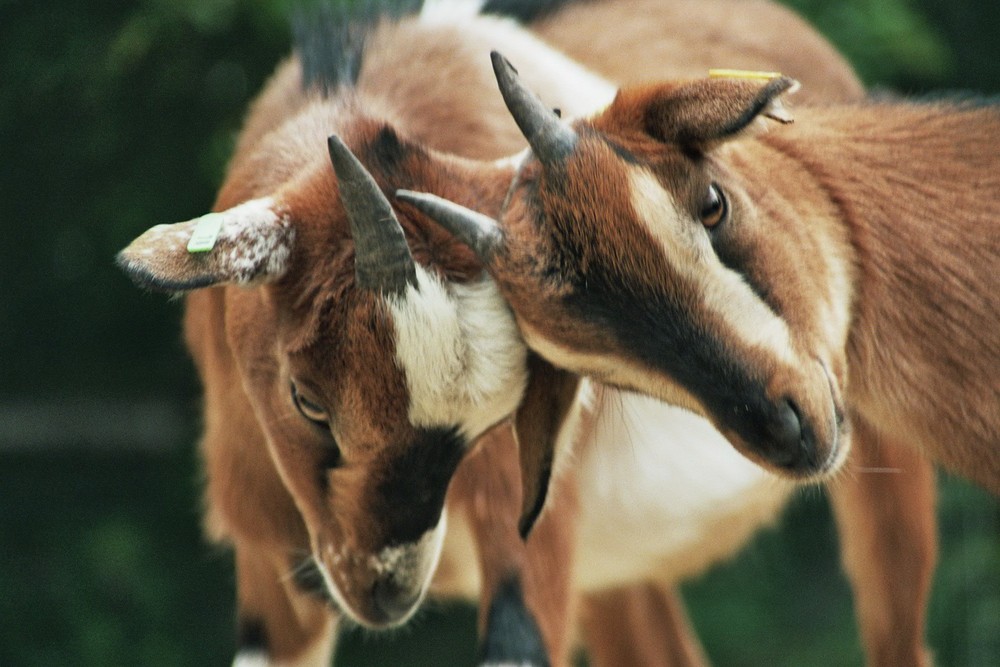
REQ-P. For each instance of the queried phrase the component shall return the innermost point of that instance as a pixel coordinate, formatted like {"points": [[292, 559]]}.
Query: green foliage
{"points": [[889, 41]]}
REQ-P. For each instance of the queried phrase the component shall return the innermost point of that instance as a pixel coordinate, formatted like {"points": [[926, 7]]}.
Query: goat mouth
{"points": [[385, 604], [383, 589]]}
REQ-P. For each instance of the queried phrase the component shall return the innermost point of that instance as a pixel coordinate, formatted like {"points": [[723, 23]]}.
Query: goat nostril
{"points": [[786, 428], [790, 447]]}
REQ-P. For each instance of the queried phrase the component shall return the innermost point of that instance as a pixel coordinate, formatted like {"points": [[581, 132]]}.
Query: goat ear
{"points": [[546, 402], [702, 113], [247, 244]]}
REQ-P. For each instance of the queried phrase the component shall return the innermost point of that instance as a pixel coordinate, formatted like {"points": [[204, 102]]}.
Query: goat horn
{"points": [[382, 259], [479, 232], [550, 139]]}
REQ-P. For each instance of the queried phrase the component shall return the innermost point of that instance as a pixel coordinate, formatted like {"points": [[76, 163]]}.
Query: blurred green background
{"points": [[115, 116]]}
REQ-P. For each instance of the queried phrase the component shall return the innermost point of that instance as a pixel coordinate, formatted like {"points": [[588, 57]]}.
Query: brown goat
{"points": [[668, 246], [338, 400]]}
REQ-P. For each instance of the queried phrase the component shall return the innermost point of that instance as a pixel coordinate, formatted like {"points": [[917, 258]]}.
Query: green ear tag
{"points": [[206, 233]]}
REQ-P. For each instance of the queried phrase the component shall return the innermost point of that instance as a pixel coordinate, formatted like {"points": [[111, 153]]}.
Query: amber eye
{"points": [[309, 408], [714, 208]]}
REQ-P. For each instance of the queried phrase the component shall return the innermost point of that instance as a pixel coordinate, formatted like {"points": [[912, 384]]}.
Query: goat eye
{"points": [[714, 208], [309, 408]]}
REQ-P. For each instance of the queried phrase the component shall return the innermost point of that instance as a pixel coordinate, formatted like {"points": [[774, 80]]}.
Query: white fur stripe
{"points": [[461, 352], [689, 252]]}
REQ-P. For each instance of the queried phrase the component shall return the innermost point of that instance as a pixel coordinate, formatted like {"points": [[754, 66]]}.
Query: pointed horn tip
{"points": [[339, 152], [478, 231], [500, 62], [416, 199], [430, 205]]}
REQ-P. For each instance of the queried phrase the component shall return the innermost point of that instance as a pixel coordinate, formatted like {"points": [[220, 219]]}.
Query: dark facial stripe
{"points": [[658, 333], [329, 460], [410, 494]]}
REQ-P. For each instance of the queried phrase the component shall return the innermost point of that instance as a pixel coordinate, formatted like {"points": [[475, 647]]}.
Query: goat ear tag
{"points": [[206, 233], [742, 74]]}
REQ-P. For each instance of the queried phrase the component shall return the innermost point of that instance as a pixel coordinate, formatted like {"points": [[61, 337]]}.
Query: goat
{"points": [[320, 445], [668, 246], [746, 275]]}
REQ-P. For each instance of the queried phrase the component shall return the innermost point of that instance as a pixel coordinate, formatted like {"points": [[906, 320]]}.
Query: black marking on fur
{"points": [[330, 459], [410, 494], [740, 260], [388, 151], [251, 635], [512, 636], [330, 39], [625, 154], [657, 331], [528, 521], [524, 11]]}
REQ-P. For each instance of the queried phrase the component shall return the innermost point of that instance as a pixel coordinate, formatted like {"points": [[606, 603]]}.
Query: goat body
{"points": [[828, 276], [909, 188], [864, 236], [337, 415]]}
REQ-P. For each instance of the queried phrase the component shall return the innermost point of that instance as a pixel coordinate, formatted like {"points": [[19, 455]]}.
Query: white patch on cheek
{"points": [[461, 352], [448, 10], [722, 291]]}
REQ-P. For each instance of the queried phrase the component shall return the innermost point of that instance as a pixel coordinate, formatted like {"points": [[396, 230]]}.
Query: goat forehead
{"points": [[461, 353]]}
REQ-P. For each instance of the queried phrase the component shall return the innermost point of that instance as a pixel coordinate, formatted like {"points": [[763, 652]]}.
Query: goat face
{"points": [[369, 371], [631, 250]]}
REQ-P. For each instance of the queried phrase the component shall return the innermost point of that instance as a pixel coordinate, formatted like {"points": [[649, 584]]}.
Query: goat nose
{"points": [[792, 445], [392, 601]]}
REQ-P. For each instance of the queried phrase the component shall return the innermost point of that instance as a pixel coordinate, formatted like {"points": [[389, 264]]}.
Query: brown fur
{"points": [[612, 617], [923, 350], [688, 37], [862, 228], [262, 491], [893, 199]]}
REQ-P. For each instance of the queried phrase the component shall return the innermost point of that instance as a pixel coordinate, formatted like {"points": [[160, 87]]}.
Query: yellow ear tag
{"points": [[741, 74], [206, 233]]}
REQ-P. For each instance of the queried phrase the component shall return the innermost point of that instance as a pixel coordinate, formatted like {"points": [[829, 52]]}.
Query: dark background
{"points": [[115, 116]]}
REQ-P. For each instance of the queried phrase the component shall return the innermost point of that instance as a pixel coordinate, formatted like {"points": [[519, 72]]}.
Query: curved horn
{"points": [[479, 232], [550, 139], [382, 260]]}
